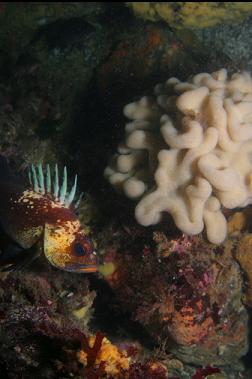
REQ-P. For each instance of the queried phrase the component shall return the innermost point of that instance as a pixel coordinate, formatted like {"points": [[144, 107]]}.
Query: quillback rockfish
{"points": [[43, 212]]}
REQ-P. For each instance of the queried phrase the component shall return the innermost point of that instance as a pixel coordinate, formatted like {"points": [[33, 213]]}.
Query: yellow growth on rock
{"points": [[236, 223], [192, 14], [244, 257], [115, 360]]}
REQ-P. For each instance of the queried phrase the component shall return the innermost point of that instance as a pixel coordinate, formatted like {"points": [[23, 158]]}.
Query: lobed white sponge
{"points": [[188, 152]]}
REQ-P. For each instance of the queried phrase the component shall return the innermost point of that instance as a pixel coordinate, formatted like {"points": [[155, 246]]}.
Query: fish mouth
{"points": [[81, 268]]}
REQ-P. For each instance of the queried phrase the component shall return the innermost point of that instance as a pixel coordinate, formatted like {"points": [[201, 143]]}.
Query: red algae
{"points": [[147, 370], [91, 371], [92, 352], [201, 373], [36, 319]]}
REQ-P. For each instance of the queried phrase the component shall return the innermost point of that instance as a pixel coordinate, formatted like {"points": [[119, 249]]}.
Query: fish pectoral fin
{"points": [[10, 252], [9, 257], [25, 263], [15, 258]]}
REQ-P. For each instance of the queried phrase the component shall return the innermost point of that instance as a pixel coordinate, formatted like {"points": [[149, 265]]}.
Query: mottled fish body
{"points": [[44, 212]]}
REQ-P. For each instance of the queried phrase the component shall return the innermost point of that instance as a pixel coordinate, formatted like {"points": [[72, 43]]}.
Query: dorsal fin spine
{"points": [[35, 179], [72, 193], [30, 177], [63, 189], [41, 178], [56, 182], [43, 184], [79, 200], [48, 179]]}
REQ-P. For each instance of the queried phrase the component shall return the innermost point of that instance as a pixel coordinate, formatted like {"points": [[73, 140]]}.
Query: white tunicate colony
{"points": [[188, 152]]}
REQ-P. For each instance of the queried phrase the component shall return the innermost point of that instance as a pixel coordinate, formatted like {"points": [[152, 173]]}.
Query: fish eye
{"points": [[79, 249]]}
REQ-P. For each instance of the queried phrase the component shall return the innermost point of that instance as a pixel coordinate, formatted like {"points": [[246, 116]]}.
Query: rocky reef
{"points": [[186, 292], [165, 304], [39, 314]]}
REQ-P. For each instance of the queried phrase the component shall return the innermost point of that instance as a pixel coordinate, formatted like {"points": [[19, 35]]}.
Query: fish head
{"points": [[67, 247]]}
